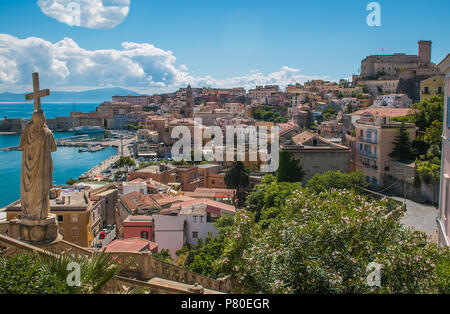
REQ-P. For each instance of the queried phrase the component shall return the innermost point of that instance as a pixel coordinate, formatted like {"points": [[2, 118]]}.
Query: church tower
{"points": [[189, 109]]}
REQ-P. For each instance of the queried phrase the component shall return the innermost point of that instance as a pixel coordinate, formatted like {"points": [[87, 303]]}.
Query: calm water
{"points": [[25, 110], [68, 162]]}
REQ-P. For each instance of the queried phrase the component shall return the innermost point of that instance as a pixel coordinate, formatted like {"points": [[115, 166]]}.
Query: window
{"points": [[75, 219], [195, 219], [439, 90], [195, 235], [201, 219], [211, 217], [427, 90], [60, 218], [144, 235], [75, 232]]}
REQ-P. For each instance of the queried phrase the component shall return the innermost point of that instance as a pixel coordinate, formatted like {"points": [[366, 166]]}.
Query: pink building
{"points": [[444, 202]]}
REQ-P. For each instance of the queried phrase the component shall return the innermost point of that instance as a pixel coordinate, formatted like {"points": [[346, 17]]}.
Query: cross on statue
{"points": [[37, 94]]}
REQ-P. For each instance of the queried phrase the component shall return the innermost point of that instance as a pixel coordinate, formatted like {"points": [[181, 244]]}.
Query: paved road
{"points": [[110, 236], [420, 217]]}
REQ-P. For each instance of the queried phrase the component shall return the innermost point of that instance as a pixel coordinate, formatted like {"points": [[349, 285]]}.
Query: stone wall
{"points": [[320, 161]]}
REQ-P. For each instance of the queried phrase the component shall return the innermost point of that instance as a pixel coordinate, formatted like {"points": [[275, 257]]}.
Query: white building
{"points": [[393, 100], [186, 222]]}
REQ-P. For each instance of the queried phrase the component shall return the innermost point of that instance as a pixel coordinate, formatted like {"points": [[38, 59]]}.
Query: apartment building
{"points": [[372, 144]]}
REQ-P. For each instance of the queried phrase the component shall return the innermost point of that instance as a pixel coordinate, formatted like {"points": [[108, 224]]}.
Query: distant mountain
{"points": [[95, 95]]}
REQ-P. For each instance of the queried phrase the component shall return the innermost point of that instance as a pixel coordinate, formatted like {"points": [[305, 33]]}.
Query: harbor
{"points": [[70, 162]]}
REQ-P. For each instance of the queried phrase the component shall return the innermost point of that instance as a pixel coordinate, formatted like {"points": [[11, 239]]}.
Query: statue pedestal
{"points": [[39, 232]]}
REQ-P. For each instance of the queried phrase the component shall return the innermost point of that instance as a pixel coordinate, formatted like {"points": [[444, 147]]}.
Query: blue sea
{"points": [[68, 162]]}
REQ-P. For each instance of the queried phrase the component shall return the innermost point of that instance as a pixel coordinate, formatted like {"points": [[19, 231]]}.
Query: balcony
{"points": [[368, 154], [368, 140]]}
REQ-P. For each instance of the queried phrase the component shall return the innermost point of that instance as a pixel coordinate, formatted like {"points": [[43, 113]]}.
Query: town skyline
{"points": [[235, 52]]}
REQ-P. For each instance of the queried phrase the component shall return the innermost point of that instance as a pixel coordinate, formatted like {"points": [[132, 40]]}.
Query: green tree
{"points": [[428, 111], [164, 255], [22, 274], [238, 177], [268, 199], [337, 180], [402, 145], [204, 257], [429, 169], [289, 169], [124, 161], [48, 274], [433, 137], [323, 243]]}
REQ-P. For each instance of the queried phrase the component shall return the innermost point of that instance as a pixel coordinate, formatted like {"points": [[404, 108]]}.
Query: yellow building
{"points": [[434, 86], [73, 209]]}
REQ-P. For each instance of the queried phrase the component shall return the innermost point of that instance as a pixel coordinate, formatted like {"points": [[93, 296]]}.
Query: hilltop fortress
{"points": [[397, 73]]}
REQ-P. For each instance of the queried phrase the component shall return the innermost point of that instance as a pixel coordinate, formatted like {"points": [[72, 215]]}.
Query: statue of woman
{"points": [[37, 144]]}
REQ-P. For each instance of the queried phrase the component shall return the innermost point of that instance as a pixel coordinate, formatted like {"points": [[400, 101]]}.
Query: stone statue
{"points": [[37, 144]]}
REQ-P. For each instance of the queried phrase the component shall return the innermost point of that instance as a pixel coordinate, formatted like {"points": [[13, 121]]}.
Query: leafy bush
{"points": [[323, 243], [23, 275], [337, 180]]}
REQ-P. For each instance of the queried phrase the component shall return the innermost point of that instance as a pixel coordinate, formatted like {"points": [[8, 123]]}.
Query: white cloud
{"points": [[143, 67], [103, 14]]}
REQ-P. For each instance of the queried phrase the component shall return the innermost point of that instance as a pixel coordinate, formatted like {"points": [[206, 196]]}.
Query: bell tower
{"points": [[189, 109]]}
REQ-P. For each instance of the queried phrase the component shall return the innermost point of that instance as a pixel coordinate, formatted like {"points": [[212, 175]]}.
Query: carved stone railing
{"points": [[141, 266], [4, 228], [67, 248], [10, 247]]}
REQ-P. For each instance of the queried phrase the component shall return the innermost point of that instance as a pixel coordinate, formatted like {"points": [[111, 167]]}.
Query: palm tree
{"points": [[95, 271]]}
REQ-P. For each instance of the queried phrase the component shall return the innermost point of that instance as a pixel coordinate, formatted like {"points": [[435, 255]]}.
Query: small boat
{"points": [[88, 130]]}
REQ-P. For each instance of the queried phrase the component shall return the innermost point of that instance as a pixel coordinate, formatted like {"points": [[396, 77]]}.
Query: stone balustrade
{"points": [[142, 266], [10, 247], [4, 228]]}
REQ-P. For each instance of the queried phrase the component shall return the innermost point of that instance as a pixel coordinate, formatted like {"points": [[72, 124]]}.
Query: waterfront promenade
{"points": [[104, 165]]}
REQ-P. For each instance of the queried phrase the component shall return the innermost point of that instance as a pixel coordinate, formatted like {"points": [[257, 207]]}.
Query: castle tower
{"points": [[425, 51], [189, 110]]}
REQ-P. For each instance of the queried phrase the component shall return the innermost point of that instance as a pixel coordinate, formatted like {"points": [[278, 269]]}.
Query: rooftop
{"points": [[130, 245]]}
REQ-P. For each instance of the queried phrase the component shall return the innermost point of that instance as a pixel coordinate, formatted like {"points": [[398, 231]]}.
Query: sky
{"points": [[153, 46]]}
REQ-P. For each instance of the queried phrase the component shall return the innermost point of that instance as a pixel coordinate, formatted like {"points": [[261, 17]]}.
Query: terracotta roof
{"points": [[174, 199], [211, 193], [385, 112], [130, 245], [215, 190], [304, 137], [307, 135], [135, 200], [203, 201]]}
